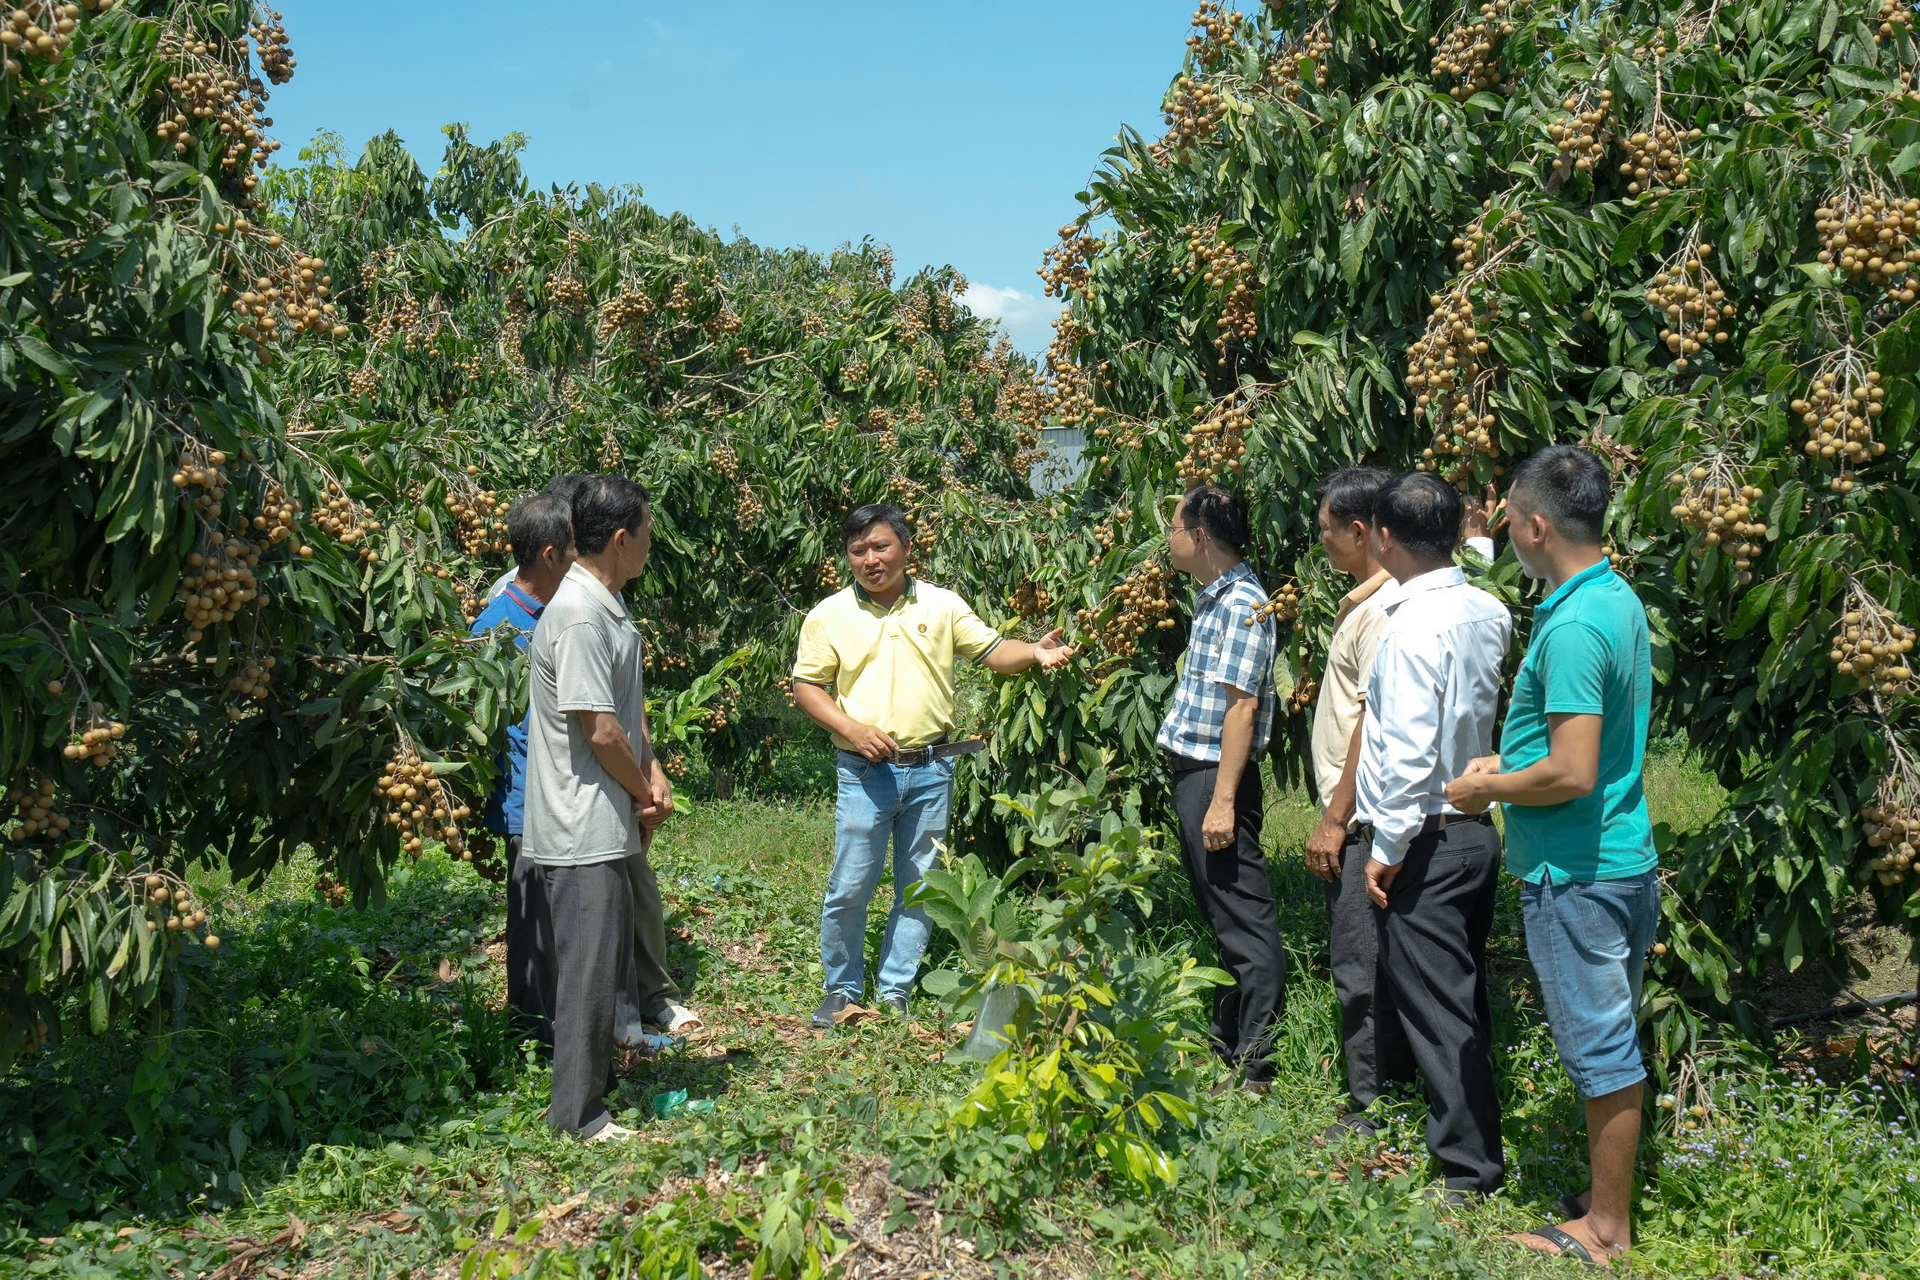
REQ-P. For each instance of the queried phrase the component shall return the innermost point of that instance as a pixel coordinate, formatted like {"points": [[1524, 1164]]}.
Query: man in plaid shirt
{"points": [[1214, 735]]}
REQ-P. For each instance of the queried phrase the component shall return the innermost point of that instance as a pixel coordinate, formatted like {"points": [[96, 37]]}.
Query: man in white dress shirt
{"points": [[1432, 698]]}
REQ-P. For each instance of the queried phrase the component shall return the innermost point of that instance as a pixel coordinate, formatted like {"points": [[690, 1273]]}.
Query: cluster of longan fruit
{"points": [[1693, 303], [218, 583], [1221, 266], [1105, 532], [1305, 690], [33, 806], [274, 51], [813, 326], [1871, 644], [628, 313], [1216, 446], [1064, 266], [566, 292], [1469, 53], [339, 517], [420, 805], [205, 470], [208, 88], [276, 517], [1581, 138], [1470, 246], [99, 742], [1891, 824], [1214, 30], [331, 891], [1443, 373], [680, 299], [723, 323], [1281, 74], [401, 317], [480, 520], [23, 30], [1282, 606], [747, 508], [1655, 159], [1872, 238], [1193, 113], [171, 907], [724, 711], [1894, 16], [726, 462], [1138, 605], [252, 681], [1712, 503], [1842, 402], [1031, 600]]}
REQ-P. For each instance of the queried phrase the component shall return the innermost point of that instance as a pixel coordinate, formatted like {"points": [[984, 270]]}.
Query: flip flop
{"points": [[682, 1020], [1566, 1244]]}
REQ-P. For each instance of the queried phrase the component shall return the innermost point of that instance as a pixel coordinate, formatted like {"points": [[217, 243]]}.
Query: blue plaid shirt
{"points": [[1222, 650]]}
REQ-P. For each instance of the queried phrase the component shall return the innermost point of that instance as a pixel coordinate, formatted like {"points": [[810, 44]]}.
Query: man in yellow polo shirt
{"points": [[875, 670]]}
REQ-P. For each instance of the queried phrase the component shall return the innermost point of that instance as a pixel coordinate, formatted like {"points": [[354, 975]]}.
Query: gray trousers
{"points": [[646, 988], [529, 949], [1370, 1037], [590, 913]]}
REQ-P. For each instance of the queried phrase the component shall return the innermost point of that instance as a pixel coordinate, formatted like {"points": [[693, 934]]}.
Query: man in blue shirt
{"points": [[1578, 839], [540, 531]]}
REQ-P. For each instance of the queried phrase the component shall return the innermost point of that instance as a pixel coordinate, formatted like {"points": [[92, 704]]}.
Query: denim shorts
{"points": [[1588, 940]]}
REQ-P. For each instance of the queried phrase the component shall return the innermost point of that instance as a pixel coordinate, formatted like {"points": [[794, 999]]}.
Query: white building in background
{"points": [[1063, 464]]}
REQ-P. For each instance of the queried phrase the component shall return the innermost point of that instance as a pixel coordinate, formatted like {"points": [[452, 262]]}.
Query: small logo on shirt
{"points": [[923, 628]]}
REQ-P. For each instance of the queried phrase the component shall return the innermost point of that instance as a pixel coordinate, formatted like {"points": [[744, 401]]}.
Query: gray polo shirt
{"points": [[585, 656]]}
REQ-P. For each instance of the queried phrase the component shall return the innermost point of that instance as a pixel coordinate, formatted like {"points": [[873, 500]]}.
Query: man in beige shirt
{"points": [[1375, 1051]]}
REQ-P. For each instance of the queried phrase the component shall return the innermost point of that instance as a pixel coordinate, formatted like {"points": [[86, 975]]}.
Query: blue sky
{"points": [[956, 132]]}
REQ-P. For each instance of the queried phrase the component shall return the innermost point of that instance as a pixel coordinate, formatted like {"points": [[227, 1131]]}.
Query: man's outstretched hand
{"points": [[1052, 650], [1483, 516]]}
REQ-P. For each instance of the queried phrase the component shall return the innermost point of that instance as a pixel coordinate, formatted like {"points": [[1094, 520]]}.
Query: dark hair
{"points": [[538, 521], [1348, 493], [565, 485], [603, 504], [861, 519], [1221, 512], [1570, 487], [1422, 511]]}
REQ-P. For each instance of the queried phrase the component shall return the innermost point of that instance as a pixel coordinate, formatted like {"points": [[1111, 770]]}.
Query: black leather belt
{"points": [[913, 757]]}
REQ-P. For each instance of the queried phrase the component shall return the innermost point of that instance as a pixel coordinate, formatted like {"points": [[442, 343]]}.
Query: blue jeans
{"points": [[879, 802], [1588, 940]]}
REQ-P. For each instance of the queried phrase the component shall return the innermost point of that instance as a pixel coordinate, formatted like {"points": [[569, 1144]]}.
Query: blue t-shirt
{"points": [[507, 807], [1589, 656]]}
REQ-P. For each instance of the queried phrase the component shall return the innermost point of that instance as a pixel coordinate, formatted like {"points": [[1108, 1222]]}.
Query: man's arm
{"points": [[652, 815], [1570, 771], [1330, 837], [1010, 657], [873, 744], [614, 750], [1236, 748]]}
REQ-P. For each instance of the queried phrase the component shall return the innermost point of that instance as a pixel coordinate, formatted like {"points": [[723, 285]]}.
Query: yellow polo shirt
{"points": [[892, 668]]}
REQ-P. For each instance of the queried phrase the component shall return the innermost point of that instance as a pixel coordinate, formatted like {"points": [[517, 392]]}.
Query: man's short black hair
{"points": [[539, 521], [861, 519], [1570, 487], [565, 485], [602, 505], [1422, 511], [1221, 512], [1348, 493]]}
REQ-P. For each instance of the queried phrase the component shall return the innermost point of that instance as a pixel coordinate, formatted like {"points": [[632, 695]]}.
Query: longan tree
{"points": [[263, 425], [1685, 236]]}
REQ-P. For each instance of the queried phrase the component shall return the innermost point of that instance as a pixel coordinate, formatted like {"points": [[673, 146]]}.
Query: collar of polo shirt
{"points": [[1598, 569], [860, 592], [598, 590]]}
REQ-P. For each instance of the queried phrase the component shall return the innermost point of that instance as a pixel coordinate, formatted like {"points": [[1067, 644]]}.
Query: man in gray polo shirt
{"points": [[592, 784]]}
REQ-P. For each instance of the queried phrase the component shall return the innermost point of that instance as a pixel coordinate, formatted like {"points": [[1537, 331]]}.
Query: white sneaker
{"points": [[611, 1132], [682, 1020]]}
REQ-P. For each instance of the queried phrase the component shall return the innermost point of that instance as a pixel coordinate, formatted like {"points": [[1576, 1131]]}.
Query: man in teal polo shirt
{"points": [[1577, 831]]}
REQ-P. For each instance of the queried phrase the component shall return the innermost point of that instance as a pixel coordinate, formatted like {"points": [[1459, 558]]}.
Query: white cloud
{"points": [[1028, 318]]}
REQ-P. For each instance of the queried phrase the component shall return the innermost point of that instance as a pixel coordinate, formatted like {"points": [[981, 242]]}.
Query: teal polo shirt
{"points": [[1589, 656]]}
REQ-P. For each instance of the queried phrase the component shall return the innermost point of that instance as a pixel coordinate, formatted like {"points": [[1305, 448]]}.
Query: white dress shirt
{"points": [[1432, 699]]}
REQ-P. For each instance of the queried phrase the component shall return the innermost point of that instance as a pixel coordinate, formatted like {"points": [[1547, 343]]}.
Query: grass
{"points": [[325, 1095]]}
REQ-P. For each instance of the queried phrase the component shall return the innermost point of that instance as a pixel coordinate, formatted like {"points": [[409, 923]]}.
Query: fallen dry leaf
{"points": [[853, 1013], [565, 1207]]}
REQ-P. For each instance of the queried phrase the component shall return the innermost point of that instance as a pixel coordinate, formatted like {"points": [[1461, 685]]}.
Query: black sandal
{"points": [[1566, 1244]]}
